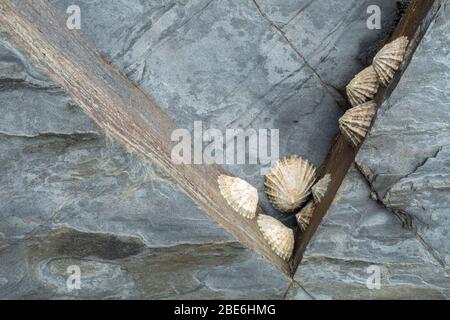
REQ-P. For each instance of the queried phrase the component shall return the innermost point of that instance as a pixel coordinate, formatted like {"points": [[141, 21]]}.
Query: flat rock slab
{"points": [[358, 234], [326, 33], [221, 62], [412, 175], [402, 171], [224, 63], [119, 267]]}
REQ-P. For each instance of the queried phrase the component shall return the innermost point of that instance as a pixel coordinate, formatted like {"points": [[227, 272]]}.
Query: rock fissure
{"points": [[209, 280], [302, 57]]}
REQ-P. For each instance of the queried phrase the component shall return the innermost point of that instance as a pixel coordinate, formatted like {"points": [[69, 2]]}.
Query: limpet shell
{"points": [[320, 188], [279, 237], [355, 123], [388, 59], [239, 194], [305, 215], [363, 86], [289, 182]]}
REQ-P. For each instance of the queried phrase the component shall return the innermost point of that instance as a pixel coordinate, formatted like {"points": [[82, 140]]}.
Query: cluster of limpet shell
{"points": [[361, 90], [290, 184]]}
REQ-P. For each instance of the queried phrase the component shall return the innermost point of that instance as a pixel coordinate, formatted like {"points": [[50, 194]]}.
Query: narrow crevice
{"points": [[70, 240], [413, 171], [407, 219], [293, 47], [304, 290], [430, 250], [352, 262], [286, 291], [302, 9], [9, 83], [414, 24], [80, 136], [41, 15]]}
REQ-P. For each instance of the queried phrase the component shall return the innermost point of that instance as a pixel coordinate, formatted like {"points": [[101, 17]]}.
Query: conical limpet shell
{"points": [[279, 237], [305, 215], [289, 182], [355, 123], [239, 194], [389, 58], [320, 188], [363, 86]]}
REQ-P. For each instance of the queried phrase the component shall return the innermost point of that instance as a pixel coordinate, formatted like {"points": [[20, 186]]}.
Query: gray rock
{"points": [[48, 108], [358, 233], [113, 267], [424, 195], [68, 192], [324, 33], [90, 183], [404, 174], [412, 129], [297, 292], [223, 63], [192, 57]]}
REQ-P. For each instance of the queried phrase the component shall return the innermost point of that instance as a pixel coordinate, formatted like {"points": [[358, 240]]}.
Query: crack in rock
{"points": [[407, 219], [293, 47]]}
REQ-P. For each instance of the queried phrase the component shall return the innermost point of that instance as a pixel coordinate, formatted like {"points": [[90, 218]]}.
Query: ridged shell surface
{"points": [[355, 123], [289, 182], [320, 188], [363, 86], [305, 215], [388, 59], [239, 194], [279, 237]]}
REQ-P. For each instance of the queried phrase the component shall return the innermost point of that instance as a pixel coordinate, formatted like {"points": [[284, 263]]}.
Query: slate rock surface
{"points": [[70, 195], [392, 211], [414, 176]]}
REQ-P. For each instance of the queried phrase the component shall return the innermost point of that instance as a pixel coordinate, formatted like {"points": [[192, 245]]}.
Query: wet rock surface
{"points": [[392, 210], [358, 234], [71, 196], [414, 176], [114, 267]]}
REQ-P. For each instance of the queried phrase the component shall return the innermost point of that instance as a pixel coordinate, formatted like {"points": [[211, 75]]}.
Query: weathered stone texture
{"points": [[68, 193], [358, 233], [412, 174], [403, 173]]}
